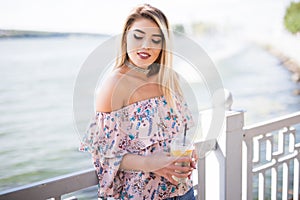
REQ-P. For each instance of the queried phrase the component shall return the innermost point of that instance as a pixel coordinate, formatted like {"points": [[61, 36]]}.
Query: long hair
{"points": [[167, 78]]}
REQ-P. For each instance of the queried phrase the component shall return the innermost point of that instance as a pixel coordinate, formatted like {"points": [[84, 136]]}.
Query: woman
{"points": [[139, 111]]}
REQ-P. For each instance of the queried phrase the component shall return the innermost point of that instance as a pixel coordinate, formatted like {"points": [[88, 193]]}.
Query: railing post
{"points": [[211, 180], [233, 155], [201, 179]]}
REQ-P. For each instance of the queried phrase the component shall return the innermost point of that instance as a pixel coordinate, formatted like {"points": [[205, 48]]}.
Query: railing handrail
{"points": [[53, 187], [272, 125]]}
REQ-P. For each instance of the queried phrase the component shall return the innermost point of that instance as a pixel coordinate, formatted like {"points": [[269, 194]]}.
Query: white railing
{"points": [[264, 154], [53, 188], [272, 159], [260, 161], [253, 162]]}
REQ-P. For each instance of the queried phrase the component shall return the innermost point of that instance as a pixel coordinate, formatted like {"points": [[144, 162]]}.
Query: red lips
{"points": [[143, 55]]}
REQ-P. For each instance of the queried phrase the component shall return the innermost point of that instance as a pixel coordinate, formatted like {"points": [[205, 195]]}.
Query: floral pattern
{"points": [[141, 128]]}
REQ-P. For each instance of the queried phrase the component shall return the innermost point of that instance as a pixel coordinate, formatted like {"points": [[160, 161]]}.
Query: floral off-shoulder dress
{"points": [[141, 128]]}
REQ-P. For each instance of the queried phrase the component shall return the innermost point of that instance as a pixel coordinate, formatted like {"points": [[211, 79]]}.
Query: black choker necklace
{"points": [[137, 69]]}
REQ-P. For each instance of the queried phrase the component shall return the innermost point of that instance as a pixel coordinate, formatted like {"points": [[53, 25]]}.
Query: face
{"points": [[144, 42]]}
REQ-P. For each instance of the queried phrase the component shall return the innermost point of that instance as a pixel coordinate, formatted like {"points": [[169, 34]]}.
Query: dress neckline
{"points": [[134, 104]]}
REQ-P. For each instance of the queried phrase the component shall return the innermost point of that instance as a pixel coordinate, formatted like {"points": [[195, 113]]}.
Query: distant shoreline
{"points": [[286, 61], [33, 34], [285, 47]]}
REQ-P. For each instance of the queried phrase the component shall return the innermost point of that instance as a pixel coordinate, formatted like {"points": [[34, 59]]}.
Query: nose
{"points": [[146, 44]]}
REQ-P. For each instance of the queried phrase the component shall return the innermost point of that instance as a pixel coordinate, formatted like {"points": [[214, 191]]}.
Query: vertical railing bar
{"points": [[244, 172], [289, 177], [274, 172], [296, 179], [297, 175], [270, 147], [201, 179], [298, 159], [285, 181], [261, 180], [264, 184], [274, 179], [249, 142]]}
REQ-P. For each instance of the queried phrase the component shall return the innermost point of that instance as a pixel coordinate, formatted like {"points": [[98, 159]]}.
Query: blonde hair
{"points": [[167, 78]]}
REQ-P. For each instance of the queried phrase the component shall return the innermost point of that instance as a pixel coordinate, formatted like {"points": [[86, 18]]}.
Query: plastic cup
{"points": [[181, 149]]}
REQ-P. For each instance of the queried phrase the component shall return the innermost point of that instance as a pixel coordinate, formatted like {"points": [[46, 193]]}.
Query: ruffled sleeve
{"points": [[185, 112], [106, 141]]}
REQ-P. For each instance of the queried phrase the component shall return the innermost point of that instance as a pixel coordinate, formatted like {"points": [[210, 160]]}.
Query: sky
{"points": [[98, 16]]}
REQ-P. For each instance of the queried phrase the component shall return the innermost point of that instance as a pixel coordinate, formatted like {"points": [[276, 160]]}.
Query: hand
{"points": [[163, 164], [194, 161]]}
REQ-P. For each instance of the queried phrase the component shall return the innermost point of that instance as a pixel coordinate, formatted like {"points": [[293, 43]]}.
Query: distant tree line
{"points": [[292, 18]]}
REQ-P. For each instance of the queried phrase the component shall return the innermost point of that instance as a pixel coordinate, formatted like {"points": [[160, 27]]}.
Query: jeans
{"points": [[187, 196]]}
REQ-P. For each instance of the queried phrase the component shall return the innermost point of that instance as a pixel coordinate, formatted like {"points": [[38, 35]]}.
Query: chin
{"points": [[143, 63]]}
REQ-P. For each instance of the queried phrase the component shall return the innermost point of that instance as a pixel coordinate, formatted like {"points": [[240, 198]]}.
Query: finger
{"points": [[193, 164], [181, 175], [172, 180], [196, 157], [180, 168], [183, 159]]}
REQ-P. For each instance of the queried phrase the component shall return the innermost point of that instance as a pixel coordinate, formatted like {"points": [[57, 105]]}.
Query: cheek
{"points": [[131, 50], [131, 45], [156, 53]]}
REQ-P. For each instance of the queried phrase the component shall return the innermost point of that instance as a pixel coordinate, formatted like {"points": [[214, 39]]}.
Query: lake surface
{"points": [[37, 135]]}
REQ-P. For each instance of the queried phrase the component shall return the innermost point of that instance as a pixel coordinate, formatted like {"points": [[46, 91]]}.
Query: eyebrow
{"points": [[140, 31]]}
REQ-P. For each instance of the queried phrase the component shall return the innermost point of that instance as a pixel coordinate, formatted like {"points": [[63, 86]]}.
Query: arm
{"points": [[160, 163]]}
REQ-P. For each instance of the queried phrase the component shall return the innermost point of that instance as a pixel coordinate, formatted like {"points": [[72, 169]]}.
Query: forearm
{"points": [[134, 162]]}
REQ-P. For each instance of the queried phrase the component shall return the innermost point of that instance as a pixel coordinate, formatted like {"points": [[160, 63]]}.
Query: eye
{"points": [[137, 37], [156, 41]]}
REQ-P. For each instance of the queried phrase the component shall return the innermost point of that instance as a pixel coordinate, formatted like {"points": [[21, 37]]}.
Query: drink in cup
{"points": [[182, 147]]}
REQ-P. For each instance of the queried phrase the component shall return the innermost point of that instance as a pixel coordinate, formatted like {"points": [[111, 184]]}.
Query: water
{"points": [[37, 137], [36, 127], [259, 84]]}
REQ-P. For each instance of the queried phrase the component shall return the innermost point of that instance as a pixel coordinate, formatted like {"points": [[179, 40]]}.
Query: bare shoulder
{"points": [[111, 95]]}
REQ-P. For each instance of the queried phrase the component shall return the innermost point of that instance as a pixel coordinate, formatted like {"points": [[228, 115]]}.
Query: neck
{"points": [[136, 68]]}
